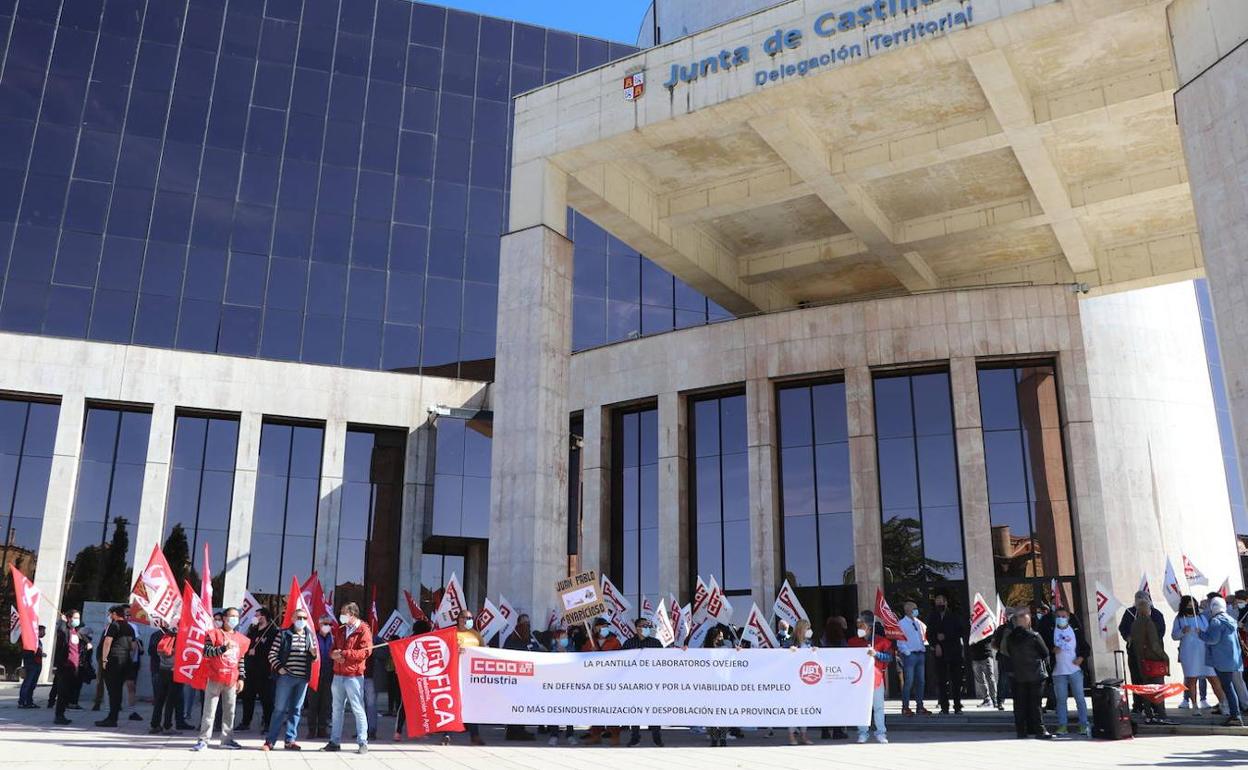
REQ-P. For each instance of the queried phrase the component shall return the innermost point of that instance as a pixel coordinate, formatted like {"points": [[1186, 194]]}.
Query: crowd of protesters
{"points": [[1038, 653]]}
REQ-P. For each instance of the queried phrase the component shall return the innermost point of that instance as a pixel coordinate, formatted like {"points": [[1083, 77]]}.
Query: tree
{"points": [[114, 578], [177, 550], [904, 560]]}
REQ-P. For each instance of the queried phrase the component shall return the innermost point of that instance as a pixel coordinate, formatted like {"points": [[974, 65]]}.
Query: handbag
{"points": [[1155, 668]]}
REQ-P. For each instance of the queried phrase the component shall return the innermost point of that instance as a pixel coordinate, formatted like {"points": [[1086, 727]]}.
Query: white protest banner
{"points": [[1192, 573], [489, 621], [717, 605], [247, 612], [983, 620], [452, 604], [787, 607], [395, 627], [1171, 589], [710, 687], [663, 630], [1106, 610], [757, 630], [698, 605], [616, 603]]}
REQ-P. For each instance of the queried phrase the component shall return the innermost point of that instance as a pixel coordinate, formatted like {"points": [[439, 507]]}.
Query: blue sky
{"points": [[616, 20]]}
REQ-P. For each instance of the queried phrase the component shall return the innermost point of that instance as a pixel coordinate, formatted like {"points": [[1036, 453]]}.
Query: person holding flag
{"points": [[601, 640], [466, 636], [69, 658], [879, 647], [1143, 604], [644, 640], [294, 658], [353, 643], [224, 649], [320, 698], [262, 635]]}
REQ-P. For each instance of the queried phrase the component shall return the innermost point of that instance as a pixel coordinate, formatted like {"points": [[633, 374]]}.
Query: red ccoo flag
{"points": [[892, 626]]}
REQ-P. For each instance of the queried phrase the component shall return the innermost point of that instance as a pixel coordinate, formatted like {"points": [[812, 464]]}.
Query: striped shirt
{"points": [[299, 661]]}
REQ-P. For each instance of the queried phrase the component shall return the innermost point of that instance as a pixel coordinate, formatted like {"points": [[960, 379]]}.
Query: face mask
{"points": [[300, 624], [1240, 605], [74, 622], [344, 619], [231, 623], [645, 633], [326, 628], [604, 632], [216, 623], [914, 613], [561, 642], [809, 633], [862, 633], [1039, 615], [1062, 622], [468, 623]]}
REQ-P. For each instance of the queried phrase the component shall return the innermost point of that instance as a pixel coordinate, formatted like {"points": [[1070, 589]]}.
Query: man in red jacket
{"points": [[224, 648], [879, 647], [353, 643]]}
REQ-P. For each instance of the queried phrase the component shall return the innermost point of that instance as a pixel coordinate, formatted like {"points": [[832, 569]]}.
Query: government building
{"points": [[914, 294]]}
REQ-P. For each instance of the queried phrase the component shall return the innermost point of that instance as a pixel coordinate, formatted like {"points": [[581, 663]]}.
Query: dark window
{"points": [[106, 506], [919, 501], [461, 486], [201, 492], [635, 502], [719, 493], [283, 530], [1032, 530], [372, 505]]}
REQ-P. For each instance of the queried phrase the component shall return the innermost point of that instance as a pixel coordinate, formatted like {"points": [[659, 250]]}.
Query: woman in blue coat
{"points": [[1222, 639]]}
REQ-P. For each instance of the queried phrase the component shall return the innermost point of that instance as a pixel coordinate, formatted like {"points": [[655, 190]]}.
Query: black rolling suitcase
{"points": [[1111, 714]]}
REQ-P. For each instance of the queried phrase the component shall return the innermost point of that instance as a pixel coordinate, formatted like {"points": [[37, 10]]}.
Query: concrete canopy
{"points": [[1024, 141]]}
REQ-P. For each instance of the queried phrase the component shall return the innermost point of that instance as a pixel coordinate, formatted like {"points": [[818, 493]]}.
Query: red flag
{"points": [[1056, 590], [412, 607], [188, 647], [155, 593], [205, 581], [428, 671], [1225, 590], [27, 609], [318, 603], [373, 619], [892, 626], [298, 600], [1157, 693]]}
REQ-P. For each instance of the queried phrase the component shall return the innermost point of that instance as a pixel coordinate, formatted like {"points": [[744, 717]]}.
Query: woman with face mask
{"points": [[880, 648], [601, 640], [1186, 631], [803, 637]]}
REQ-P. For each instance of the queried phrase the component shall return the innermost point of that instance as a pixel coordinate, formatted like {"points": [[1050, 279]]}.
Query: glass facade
{"points": [[288, 492], [461, 484], [635, 502], [305, 180], [100, 554], [201, 493], [372, 507], [1032, 532], [719, 493], [435, 570], [920, 507]]}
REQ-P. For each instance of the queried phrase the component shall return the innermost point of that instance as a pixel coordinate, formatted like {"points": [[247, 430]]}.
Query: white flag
{"points": [[616, 603], [647, 608], [452, 604], [1144, 586], [663, 630], [1001, 618], [247, 612], [685, 626], [787, 607], [757, 630], [717, 605], [1106, 610], [673, 611], [509, 615], [1171, 589], [698, 635], [623, 628], [1192, 573], [489, 621], [983, 620], [15, 625], [395, 627], [700, 596]]}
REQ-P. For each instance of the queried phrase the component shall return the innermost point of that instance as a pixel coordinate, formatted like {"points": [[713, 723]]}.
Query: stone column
{"points": [[149, 529], [864, 484], [529, 487], [242, 508], [59, 507], [596, 490], [329, 510], [419, 464], [673, 497], [765, 543], [972, 478]]}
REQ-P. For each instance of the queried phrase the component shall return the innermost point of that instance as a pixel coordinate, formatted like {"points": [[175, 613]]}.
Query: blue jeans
{"points": [[1232, 706], [288, 694], [1067, 685], [26, 694], [348, 690], [370, 704], [877, 709], [914, 673]]}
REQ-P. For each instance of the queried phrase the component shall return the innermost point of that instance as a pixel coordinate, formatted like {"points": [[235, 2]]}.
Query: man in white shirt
{"points": [[913, 652], [1069, 650]]}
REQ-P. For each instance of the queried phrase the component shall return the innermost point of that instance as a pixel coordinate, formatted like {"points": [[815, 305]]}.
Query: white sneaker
{"points": [[880, 738], [554, 741], [1204, 704], [1186, 704], [199, 746], [862, 738]]}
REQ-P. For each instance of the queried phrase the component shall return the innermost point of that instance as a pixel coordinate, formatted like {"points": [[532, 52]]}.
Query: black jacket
{"points": [[949, 623], [639, 643], [1029, 657], [257, 658], [60, 656], [1128, 620]]}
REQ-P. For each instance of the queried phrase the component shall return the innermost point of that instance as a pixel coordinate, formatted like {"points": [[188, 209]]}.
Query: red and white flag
{"points": [[1106, 610], [427, 667], [616, 603], [647, 608], [299, 600], [892, 626], [757, 630], [413, 608], [15, 625], [1144, 586], [1001, 617], [27, 609], [1192, 573], [787, 607], [1055, 588], [663, 630], [155, 594], [319, 605], [489, 621], [552, 621], [1171, 589], [717, 605], [452, 604], [623, 628], [205, 580], [510, 616], [700, 594], [673, 611], [373, 618], [983, 620], [188, 646], [395, 627], [247, 612], [684, 626], [1225, 590]]}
